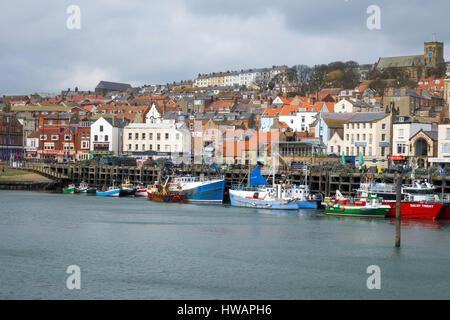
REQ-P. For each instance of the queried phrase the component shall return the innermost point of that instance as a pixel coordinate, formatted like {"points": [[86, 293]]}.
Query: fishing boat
{"points": [[419, 200], [203, 189], [82, 188], [199, 189], [161, 193], [127, 189], [70, 189], [259, 194], [112, 191], [141, 191], [91, 191], [372, 208]]}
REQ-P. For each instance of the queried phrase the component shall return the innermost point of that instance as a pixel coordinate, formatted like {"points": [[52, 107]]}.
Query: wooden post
{"points": [[398, 208]]}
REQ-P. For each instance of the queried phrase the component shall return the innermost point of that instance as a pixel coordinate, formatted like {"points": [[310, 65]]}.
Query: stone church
{"points": [[416, 66]]}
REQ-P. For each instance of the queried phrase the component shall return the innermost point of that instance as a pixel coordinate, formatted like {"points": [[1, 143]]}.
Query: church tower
{"points": [[434, 53]]}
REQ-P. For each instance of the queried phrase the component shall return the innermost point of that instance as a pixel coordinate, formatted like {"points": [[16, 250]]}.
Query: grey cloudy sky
{"points": [[144, 42]]}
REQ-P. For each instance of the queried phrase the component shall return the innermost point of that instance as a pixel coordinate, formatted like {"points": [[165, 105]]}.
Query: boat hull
{"points": [[237, 201], [109, 193], [69, 190], [127, 192], [415, 210], [445, 211], [357, 212], [91, 191], [141, 193], [206, 192], [309, 204], [158, 197]]}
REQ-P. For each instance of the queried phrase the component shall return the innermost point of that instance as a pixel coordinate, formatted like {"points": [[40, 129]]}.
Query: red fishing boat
{"points": [[419, 200], [162, 194]]}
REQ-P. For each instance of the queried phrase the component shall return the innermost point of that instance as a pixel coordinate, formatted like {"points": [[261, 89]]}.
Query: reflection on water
{"points": [[137, 249]]}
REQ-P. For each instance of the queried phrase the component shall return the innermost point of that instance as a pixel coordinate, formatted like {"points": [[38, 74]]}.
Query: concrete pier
{"points": [[321, 181]]}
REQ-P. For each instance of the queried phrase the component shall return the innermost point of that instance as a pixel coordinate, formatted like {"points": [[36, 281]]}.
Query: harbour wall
{"points": [[322, 180]]}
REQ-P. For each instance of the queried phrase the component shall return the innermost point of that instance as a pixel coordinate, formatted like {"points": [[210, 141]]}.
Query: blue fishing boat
{"points": [[198, 189], [112, 191], [258, 194], [203, 189]]}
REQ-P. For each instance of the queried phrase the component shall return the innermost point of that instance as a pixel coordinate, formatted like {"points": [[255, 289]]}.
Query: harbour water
{"points": [[131, 248]]}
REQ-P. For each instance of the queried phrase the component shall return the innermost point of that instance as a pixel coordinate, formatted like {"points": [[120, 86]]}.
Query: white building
{"points": [[444, 141], [157, 135], [402, 134], [368, 134], [106, 138]]}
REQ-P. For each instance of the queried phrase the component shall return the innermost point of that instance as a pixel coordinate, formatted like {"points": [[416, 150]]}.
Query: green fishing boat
{"points": [[371, 208], [70, 189]]}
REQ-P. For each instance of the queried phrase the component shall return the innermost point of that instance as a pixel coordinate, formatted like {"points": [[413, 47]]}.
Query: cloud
{"points": [[162, 41]]}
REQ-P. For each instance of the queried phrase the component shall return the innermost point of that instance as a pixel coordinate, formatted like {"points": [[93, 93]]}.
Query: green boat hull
{"points": [[358, 212], [69, 190]]}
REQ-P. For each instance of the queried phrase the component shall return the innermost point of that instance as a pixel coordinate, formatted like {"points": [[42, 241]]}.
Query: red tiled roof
{"points": [[271, 112]]}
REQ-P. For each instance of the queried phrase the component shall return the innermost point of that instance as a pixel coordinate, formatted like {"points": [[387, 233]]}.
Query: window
{"points": [[357, 137], [143, 147], [129, 147], [348, 137], [448, 133], [401, 133], [303, 119], [136, 136], [364, 125], [143, 135], [383, 137], [353, 151], [383, 126], [331, 149], [446, 147], [151, 147], [353, 139], [96, 138], [370, 138], [364, 137], [150, 136], [383, 151], [106, 138], [136, 147], [55, 137], [346, 151], [130, 136], [339, 149], [357, 126], [370, 151], [401, 148], [167, 136], [158, 136], [178, 136], [101, 128], [158, 147], [85, 144]]}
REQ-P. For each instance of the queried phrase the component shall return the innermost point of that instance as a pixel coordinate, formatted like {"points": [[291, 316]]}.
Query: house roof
{"points": [[271, 112], [113, 86]]}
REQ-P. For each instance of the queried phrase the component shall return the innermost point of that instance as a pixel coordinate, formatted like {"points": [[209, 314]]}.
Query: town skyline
{"points": [[43, 55]]}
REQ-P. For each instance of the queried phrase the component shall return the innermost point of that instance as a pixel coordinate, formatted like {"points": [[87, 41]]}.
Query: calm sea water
{"points": [[131, 248]]}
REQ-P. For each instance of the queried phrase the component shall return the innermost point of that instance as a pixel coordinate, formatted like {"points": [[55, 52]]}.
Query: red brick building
{"points": [[11, 137]]}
